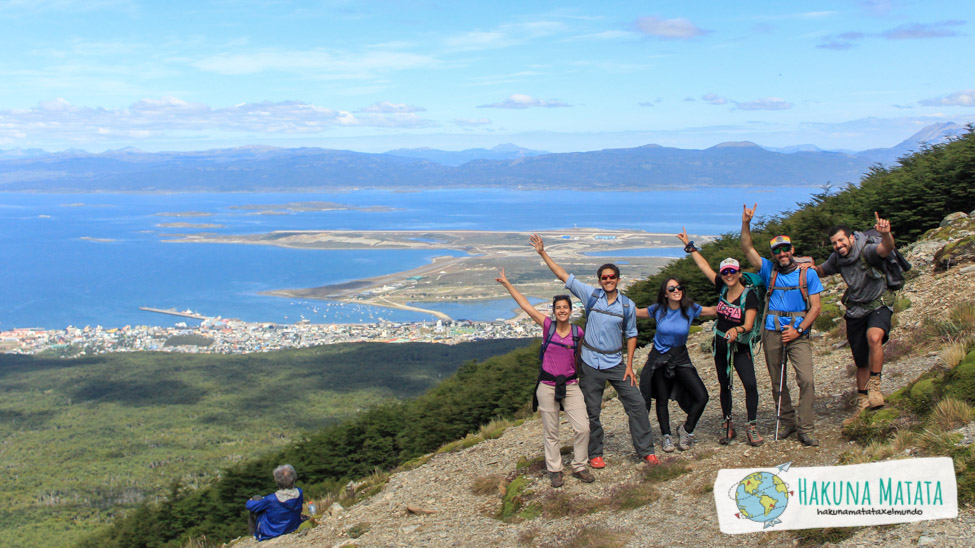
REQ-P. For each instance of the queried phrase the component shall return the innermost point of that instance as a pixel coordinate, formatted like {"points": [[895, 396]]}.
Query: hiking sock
{"points": [[864, 392]]}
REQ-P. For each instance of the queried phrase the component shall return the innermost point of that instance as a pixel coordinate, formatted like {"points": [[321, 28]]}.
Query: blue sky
{"points": [[559, 76]]}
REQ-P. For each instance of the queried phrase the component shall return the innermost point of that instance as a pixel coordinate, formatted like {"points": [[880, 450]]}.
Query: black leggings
{"points": [[746, 372], [694, 392]]}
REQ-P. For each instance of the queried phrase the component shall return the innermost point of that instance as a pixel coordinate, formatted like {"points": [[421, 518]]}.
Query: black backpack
{"points": [[894, 265]]}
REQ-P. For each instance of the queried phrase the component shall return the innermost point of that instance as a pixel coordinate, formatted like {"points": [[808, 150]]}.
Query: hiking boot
{"points": [[597, 462], [727, 432], [584, 476], [751, 431], [557, 480], [685, 439], [652, 460], [807, 440], [875, 397], [668, 444], [863, 402], [785, 431]]}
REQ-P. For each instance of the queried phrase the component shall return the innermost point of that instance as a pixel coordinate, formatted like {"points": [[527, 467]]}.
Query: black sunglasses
{"points": [[675, 288], [781, 249]]}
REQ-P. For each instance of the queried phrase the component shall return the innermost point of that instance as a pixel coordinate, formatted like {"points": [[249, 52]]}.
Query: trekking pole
{"points": [[778, 410]]}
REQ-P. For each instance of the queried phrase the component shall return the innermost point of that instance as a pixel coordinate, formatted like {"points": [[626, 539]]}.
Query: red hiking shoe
{"points": [[597, 462], [652, 460]]}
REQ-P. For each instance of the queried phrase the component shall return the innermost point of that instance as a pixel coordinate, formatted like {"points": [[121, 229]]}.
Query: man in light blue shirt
{"points": [[792, 309], [610, 320]]}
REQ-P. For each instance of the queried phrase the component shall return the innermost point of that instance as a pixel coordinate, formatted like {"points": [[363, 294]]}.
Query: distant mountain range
{"points": [[270, 169], [506, 151]]}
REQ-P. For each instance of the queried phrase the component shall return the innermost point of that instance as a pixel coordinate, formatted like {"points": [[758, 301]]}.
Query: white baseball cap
{"points": [[729, 263]]}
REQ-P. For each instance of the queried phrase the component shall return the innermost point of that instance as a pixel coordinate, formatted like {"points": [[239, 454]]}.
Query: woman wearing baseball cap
{"points": [[737, 308]]}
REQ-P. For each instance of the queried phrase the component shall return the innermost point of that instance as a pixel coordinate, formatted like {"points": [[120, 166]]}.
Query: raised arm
{"points": [[539, 246], [887, 239], [746, 236], [699, 259], [533, 313]]}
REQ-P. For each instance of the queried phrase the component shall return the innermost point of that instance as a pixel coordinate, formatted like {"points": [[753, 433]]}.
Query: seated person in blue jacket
{"points": [[280, 512]]}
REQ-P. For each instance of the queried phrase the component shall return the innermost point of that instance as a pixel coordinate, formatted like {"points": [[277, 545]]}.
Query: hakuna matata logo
{"points": [[762, 496], [750, 500]]}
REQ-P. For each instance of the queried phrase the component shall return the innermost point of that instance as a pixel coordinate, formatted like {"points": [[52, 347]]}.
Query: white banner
{"points": [[749, 500]]}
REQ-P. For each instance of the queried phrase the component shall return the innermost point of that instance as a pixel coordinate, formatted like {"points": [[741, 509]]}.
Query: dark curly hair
{"points": [[685, 300]]}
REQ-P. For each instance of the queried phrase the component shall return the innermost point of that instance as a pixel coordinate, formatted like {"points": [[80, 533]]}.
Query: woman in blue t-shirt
{"points": [[669, 373]]}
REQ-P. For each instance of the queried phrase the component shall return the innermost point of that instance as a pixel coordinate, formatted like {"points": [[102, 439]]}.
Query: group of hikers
{"points": [[783, 299], [775, 309]]}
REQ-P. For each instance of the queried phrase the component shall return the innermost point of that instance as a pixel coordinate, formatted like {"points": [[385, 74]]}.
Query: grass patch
{"points": [[488, 485], [490, 431], [820, 537], [413, 464], [954, 352], [629, 497], [528, 463], [358, 529], [950, 413], [667, 470], [872, 426], [514, 501], [558, 504]]}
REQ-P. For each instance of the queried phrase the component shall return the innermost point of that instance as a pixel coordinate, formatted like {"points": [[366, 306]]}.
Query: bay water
{"points": [[94, 259]]}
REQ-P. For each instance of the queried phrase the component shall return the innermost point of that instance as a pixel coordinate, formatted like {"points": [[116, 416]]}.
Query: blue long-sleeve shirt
{"points": [[603, 331]]}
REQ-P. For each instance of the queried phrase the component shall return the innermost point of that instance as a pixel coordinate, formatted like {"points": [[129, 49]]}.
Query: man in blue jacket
{"points": [[280, 512]]}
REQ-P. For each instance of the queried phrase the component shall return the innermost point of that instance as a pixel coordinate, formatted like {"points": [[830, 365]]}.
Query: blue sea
{"points": [[94, 259]]}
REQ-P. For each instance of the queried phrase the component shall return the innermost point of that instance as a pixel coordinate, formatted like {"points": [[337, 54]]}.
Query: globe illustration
{"points": [[761, 497]]}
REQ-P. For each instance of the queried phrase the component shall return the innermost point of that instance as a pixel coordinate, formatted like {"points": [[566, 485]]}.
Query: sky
{"points": [[557, 76]]}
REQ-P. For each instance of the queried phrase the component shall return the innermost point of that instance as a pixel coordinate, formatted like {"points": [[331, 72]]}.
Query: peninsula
{"points": [[468, 277]]}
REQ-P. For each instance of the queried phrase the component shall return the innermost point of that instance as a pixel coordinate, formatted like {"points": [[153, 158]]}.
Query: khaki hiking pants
{"points": [[575, 412], [799, 354]]}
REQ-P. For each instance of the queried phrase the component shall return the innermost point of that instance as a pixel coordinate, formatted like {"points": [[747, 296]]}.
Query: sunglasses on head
{"points": [[606, 277], [781, 249], [675, 288], [728, 272]]}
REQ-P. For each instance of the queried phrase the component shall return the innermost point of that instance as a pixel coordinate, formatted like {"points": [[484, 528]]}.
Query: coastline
{"points": [[468, 277]]}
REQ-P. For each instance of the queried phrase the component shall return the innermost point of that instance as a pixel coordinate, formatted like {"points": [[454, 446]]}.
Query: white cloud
{"points": [[504, 35], [313, 63], [963, 98], [59, 120], [768, 103], [386, 107], [916, 31], [714, 99], [671, 29], [520, 101]]}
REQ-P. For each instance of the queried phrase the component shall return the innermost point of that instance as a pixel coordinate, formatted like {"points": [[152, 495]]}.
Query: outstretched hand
{"points": [[747, 214], [537, 243], [883, 225], [683, 236], [502, 279]]}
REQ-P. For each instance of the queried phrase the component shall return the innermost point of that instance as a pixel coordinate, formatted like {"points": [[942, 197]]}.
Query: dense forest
{"points": [[915, 196]]}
